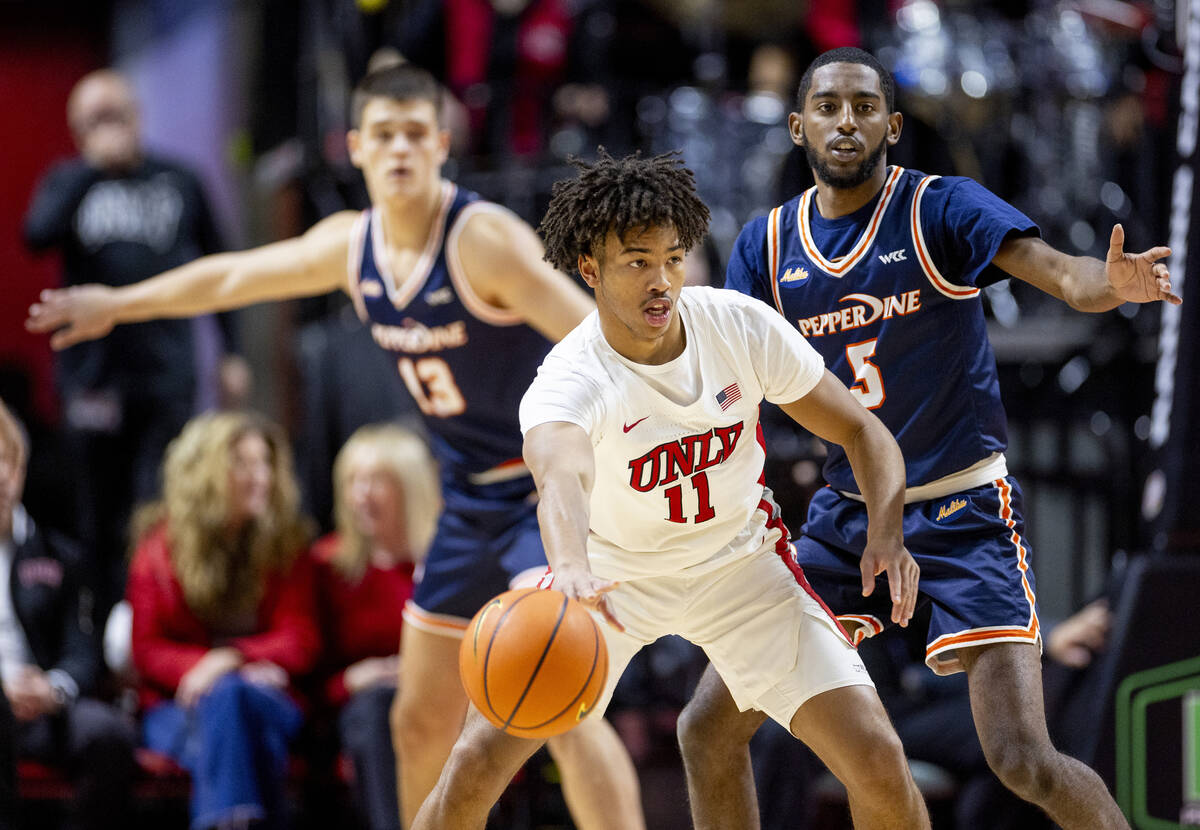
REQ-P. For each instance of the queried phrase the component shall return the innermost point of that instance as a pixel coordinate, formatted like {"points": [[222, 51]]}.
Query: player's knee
{"points": [[881, 775], [1024, 767], [415, 725], [707, 733]]}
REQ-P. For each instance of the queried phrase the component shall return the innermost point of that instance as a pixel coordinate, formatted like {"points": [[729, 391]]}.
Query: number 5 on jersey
{"points": [[868, 382], [431, 383]]}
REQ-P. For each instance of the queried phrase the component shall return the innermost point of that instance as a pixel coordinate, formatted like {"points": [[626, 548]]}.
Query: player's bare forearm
{"points": [[311, 264], [1086, 283], [560, 457], [878, 467], [563, 518]]}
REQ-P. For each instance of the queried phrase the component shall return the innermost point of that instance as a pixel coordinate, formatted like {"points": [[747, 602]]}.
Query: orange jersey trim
{"points": [[943, 286], [864, 243]]}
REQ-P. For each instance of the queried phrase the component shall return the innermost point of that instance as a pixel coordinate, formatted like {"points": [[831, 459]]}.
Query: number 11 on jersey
{"points": [[674, 497]]}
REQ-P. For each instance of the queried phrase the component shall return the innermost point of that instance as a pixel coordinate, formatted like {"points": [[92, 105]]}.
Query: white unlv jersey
{"points": [[679, 457]]}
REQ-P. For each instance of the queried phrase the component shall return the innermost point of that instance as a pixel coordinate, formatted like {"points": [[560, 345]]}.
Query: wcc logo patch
{"points": [[950, 509]]}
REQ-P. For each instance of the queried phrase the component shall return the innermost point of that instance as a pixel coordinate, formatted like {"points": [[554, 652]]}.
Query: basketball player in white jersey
{"points": [[492, 270], [641, 430]]}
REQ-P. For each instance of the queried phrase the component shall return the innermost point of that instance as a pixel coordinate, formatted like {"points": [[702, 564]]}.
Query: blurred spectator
{"points": [[518, 66], [224, 616], [387, 503], [119, 215], [49, 660]]}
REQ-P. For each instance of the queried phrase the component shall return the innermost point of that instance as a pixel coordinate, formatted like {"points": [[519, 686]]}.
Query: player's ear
{"points": [[589, 269], [354, 146], [796, 128], [443, 145], [895, 124]]}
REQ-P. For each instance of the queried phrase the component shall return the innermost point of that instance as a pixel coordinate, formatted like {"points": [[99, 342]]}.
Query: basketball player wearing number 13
{"points": [[456, 288], [880, 269], [641, 430]]}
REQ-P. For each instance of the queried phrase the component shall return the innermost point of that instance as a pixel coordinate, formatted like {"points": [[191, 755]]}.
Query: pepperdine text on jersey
{"points": [[867, 310]]}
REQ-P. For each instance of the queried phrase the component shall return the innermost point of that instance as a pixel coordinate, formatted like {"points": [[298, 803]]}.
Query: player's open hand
{"points": [[76, 314], [903, 574], [1138, 278], [589, 590]]}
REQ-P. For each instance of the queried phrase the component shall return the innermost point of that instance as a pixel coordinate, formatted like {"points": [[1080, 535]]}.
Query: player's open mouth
{"points": [[844, 150], [657, 312]]}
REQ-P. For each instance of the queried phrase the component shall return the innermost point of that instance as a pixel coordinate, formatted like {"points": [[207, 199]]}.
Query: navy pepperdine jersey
{"points": [[893, 306], [466, 363]]}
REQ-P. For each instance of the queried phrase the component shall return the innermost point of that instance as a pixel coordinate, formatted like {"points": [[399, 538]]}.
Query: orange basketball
{"points": [[534, 662]]}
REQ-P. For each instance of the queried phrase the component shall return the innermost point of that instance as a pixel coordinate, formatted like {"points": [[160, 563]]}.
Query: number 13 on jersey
{"points": [[431, 383]]}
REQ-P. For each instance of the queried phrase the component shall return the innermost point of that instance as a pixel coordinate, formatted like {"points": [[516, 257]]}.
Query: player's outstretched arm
{"points": [[1086, 283], [559, 454], [314, 263], [502, 257], [830, 412]]}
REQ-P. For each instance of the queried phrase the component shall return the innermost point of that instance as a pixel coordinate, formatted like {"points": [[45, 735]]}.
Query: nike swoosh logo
{"points": [[628, 427]]}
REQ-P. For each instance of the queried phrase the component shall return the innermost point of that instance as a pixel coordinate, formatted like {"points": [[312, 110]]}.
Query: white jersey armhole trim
{"points": [[773, 221], [940, 283], [484, 311], [358, 232], [401, 293]]}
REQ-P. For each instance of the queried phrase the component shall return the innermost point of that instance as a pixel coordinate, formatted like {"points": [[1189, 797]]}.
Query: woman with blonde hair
{"points": [[224, 615], [386, 505]]}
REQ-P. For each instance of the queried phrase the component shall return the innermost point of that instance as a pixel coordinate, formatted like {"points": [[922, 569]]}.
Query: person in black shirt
{"points": [[118, 215]]}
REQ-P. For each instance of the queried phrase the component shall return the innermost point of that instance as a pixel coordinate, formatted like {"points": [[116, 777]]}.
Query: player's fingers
{"points": [[607, 610], [43, 318], [867, 567], [896, 587], [1166, 294], [910, 592], [1157, 252], [602, 587], [65, 338], [1116, 243]]}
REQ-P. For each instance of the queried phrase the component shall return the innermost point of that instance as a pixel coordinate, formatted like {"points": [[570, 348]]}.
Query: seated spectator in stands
{"points": [[49, 660], [224, 616], [386, 506]]}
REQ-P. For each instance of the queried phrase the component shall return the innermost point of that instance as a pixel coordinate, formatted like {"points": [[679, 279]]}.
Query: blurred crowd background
{"points": [[1065, 109]]}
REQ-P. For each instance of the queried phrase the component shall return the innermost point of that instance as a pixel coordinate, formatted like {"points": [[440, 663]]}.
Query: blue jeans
{"points": [[235, 745]]}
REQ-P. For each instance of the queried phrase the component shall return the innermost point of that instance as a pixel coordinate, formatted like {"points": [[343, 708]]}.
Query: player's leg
{"points": [[599, 781], [714, 736], [427, 714], [482, 762], [714, 740], [1006, 701], [850, 732]]}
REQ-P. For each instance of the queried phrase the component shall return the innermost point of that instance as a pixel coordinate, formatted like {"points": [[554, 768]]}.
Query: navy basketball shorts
{"points": [[478, 551], [974, 560]]}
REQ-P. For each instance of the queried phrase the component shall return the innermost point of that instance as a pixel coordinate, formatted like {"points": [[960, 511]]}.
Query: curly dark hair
{"points": [[621, 195]]}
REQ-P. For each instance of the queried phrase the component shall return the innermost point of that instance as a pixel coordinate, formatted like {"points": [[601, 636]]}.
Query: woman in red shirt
{"points": [[386, 505], [224, 615]]}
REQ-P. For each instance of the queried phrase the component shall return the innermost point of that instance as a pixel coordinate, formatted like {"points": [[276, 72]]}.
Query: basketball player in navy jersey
{"points": [[456, 288], [880, 269]]}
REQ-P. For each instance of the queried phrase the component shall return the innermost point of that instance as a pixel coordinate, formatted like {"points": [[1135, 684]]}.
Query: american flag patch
{"points": [[728, 396]]}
